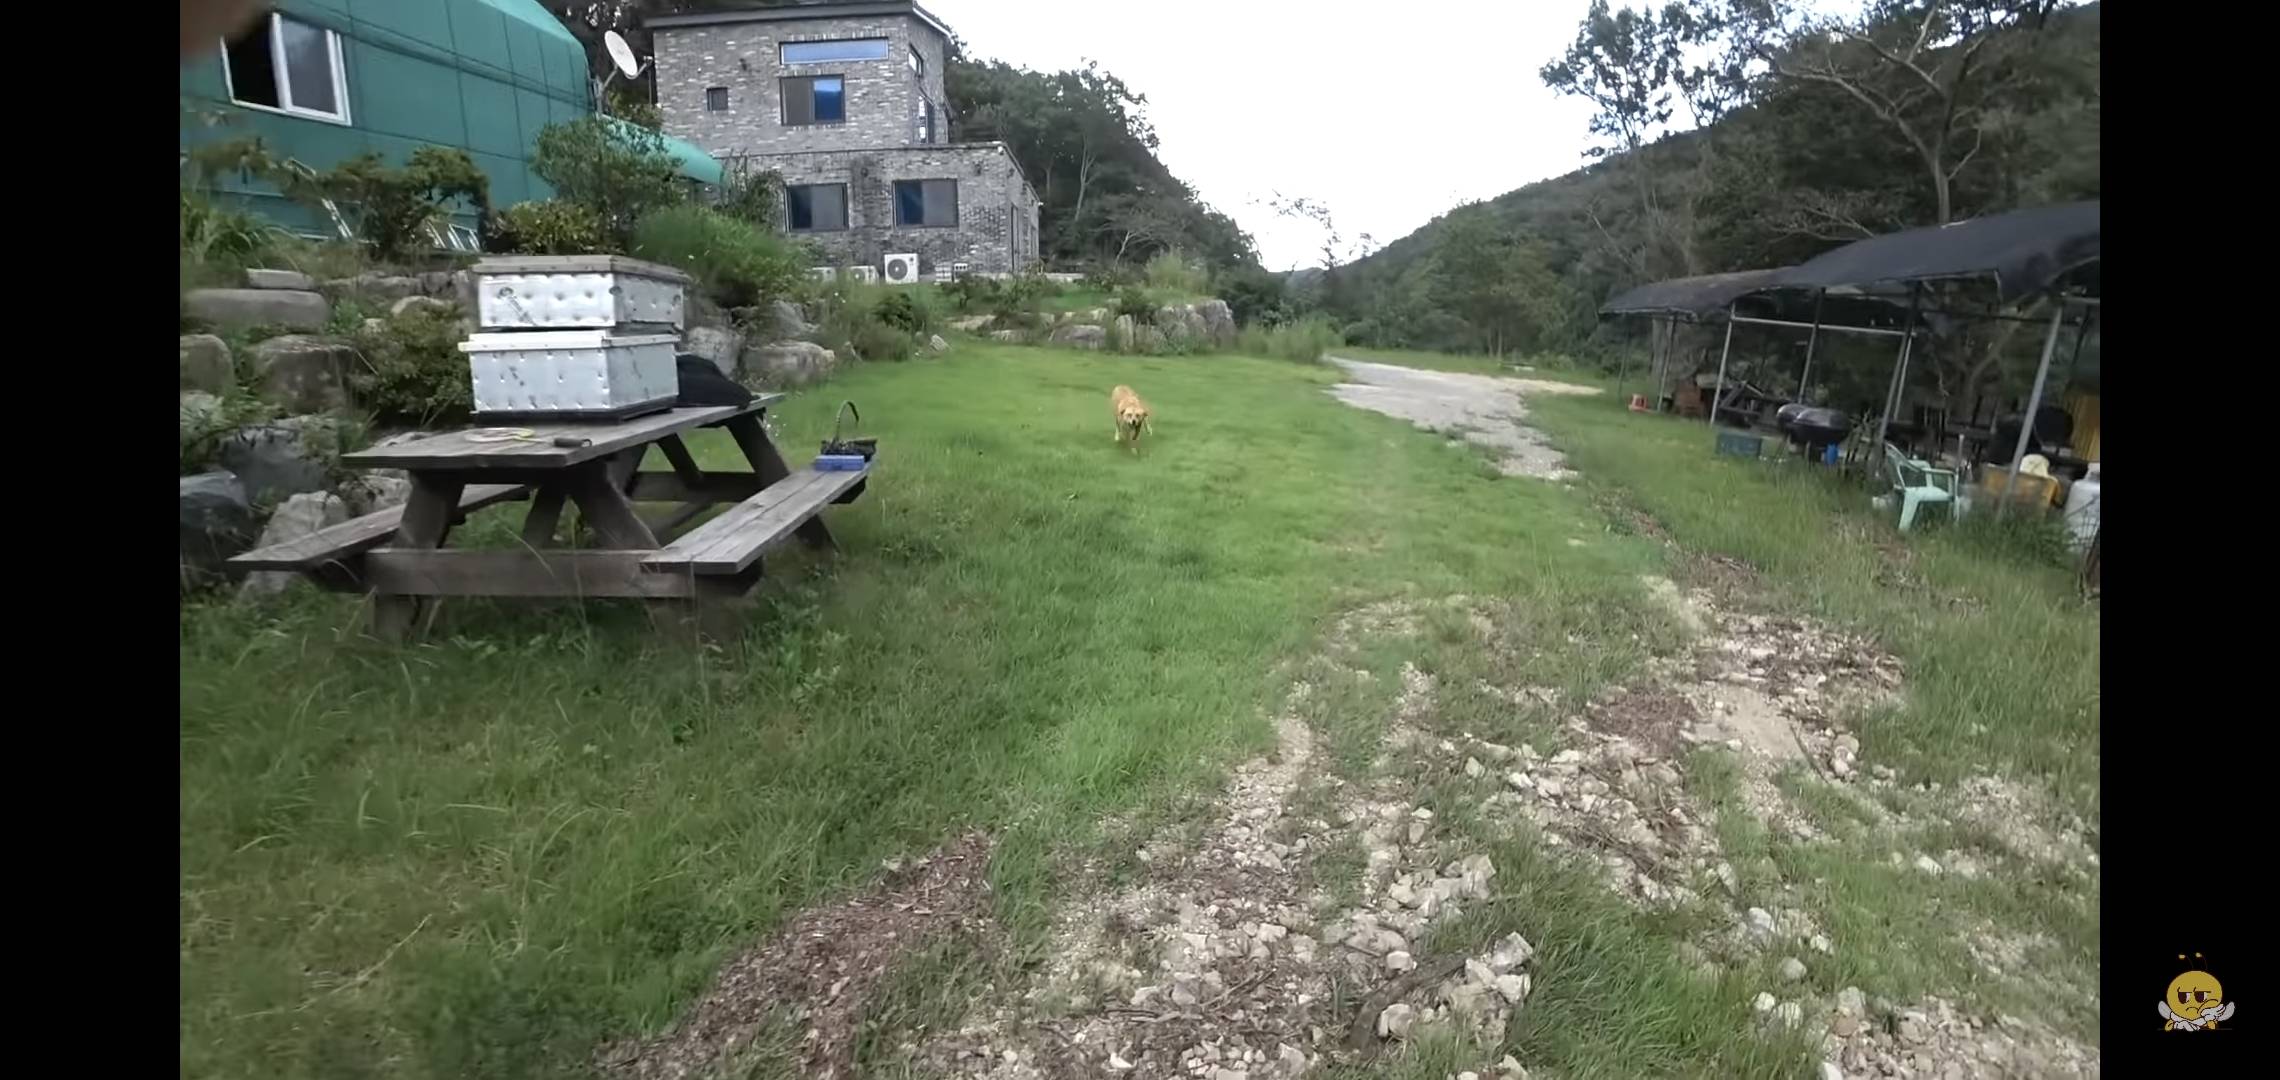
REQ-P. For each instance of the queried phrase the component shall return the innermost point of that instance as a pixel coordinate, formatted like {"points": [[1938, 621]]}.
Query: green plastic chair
{"points": [[1918, 484]]}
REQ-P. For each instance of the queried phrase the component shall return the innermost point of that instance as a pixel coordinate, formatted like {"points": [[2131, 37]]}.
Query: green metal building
{"points": [[324, 80]]}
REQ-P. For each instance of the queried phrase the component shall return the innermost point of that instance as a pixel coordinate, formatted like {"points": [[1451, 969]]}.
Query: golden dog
{"points": [[1131, 416]]}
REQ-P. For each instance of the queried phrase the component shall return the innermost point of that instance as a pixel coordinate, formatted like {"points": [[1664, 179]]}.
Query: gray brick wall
{"points": [[884, 99], [997, 210]]}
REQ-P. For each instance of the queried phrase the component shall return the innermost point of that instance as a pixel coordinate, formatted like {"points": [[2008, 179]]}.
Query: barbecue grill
{"points": [[1811, 426]]}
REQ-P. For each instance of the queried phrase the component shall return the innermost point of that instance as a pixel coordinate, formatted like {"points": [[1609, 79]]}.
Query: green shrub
{"points": [[389, 207], [738, 264], [1304, 340], [907, 310], [214, 234], [412, 371], [1171, 270], [755, 196], [547, 227], [202, 430], [973, 294], [853, 319], [1255, 296], [1131, 300], [619, 172]]}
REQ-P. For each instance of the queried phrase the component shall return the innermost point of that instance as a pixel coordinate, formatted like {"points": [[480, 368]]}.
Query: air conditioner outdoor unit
{"points": [[869, 275], [902, 269], [824, 273]]}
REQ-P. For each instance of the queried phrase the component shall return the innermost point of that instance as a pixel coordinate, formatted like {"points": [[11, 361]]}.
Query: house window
{"points": [[716, 99], [815, 207], [815, 99], [926, 123], [917, 63], [929, 203], [287, 65], [828, 52]]}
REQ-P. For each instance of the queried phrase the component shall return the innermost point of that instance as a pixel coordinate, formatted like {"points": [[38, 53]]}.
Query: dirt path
{"points": [[1486, 410]]}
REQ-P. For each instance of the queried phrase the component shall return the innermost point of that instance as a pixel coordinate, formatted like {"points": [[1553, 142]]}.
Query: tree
{"points": [[1626, 64], [1495, 278], [1932, 72], [616, 170], [1083, 139]]}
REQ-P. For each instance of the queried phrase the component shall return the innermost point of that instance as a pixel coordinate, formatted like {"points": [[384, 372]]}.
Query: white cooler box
{"points": [[572, 374], [577, 292]]}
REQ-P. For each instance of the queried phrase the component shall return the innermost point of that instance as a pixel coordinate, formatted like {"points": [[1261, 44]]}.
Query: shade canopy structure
{"points": [[2047, 249], [2025, 251], [1692, 298]]}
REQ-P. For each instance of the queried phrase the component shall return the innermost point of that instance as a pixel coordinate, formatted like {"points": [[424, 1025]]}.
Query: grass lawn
{"points": [[480, 855], [544, 827]]}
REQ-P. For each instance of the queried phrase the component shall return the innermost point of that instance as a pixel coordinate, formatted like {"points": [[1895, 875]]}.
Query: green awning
{"points": [[695, 163]]}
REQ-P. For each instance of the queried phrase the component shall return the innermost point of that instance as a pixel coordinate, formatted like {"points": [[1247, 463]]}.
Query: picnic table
{"points": [[398, 554]]}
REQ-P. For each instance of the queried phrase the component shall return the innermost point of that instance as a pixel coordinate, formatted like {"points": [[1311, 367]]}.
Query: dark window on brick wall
{"points": [[716, 99], [815, 207], [926, 202], [815, 99], [926, 124]]}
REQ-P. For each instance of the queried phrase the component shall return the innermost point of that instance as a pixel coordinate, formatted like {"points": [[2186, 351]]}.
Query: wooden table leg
{"points": [[427, 519], [545, 514], [602, 504], [766, 461]]}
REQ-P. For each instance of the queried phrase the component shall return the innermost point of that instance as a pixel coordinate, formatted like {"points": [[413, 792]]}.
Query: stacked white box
{"points": [[570, 336]]}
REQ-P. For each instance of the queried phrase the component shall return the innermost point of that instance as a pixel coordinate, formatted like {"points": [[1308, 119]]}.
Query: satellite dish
{"points": [[621, 54]]}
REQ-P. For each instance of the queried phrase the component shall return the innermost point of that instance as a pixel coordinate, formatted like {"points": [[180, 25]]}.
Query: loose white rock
{"points": [[1399, 961], [1928, 865], [1396, 1020], [1792, 969], [1763, 1003], [1474, 768]]}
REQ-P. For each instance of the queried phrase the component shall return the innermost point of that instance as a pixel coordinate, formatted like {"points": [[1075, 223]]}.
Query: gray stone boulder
{"points": [[1010, 336], [279, 279], [285, 457], [1120, 333], [421, 303], [1080, 336], [936, 345], [303, 372], [296, 517], [788, 363], [717, 344], [206, 364], [1147, 340], [1172, 322], [443, 284], [294, 308], [699, 310], [784, 321], [376, 490], [970, 323], [217, 522], [376, 288], [1218, 322]]}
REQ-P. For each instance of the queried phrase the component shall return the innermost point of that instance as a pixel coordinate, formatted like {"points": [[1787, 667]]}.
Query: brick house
{"points": [[845, 101]]}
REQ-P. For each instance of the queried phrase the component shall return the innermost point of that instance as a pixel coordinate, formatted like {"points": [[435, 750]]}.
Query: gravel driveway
{"points": [[1484, 409]]}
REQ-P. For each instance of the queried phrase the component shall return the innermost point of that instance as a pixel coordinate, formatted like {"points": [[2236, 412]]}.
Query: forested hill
{"points": [[1797, 166]]}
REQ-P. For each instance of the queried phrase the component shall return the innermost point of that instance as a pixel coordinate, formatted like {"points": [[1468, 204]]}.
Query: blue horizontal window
{"points": [[826, 52]]}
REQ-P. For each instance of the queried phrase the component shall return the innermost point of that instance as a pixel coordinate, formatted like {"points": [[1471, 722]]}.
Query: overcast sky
{"points": [[1388, 112]]}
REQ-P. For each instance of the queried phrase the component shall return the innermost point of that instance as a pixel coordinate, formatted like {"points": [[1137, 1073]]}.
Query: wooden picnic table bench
{"points": [[398, 553]]}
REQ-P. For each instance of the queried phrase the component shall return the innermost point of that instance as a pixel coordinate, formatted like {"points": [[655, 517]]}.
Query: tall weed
{"points": [[1304, 340]]}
